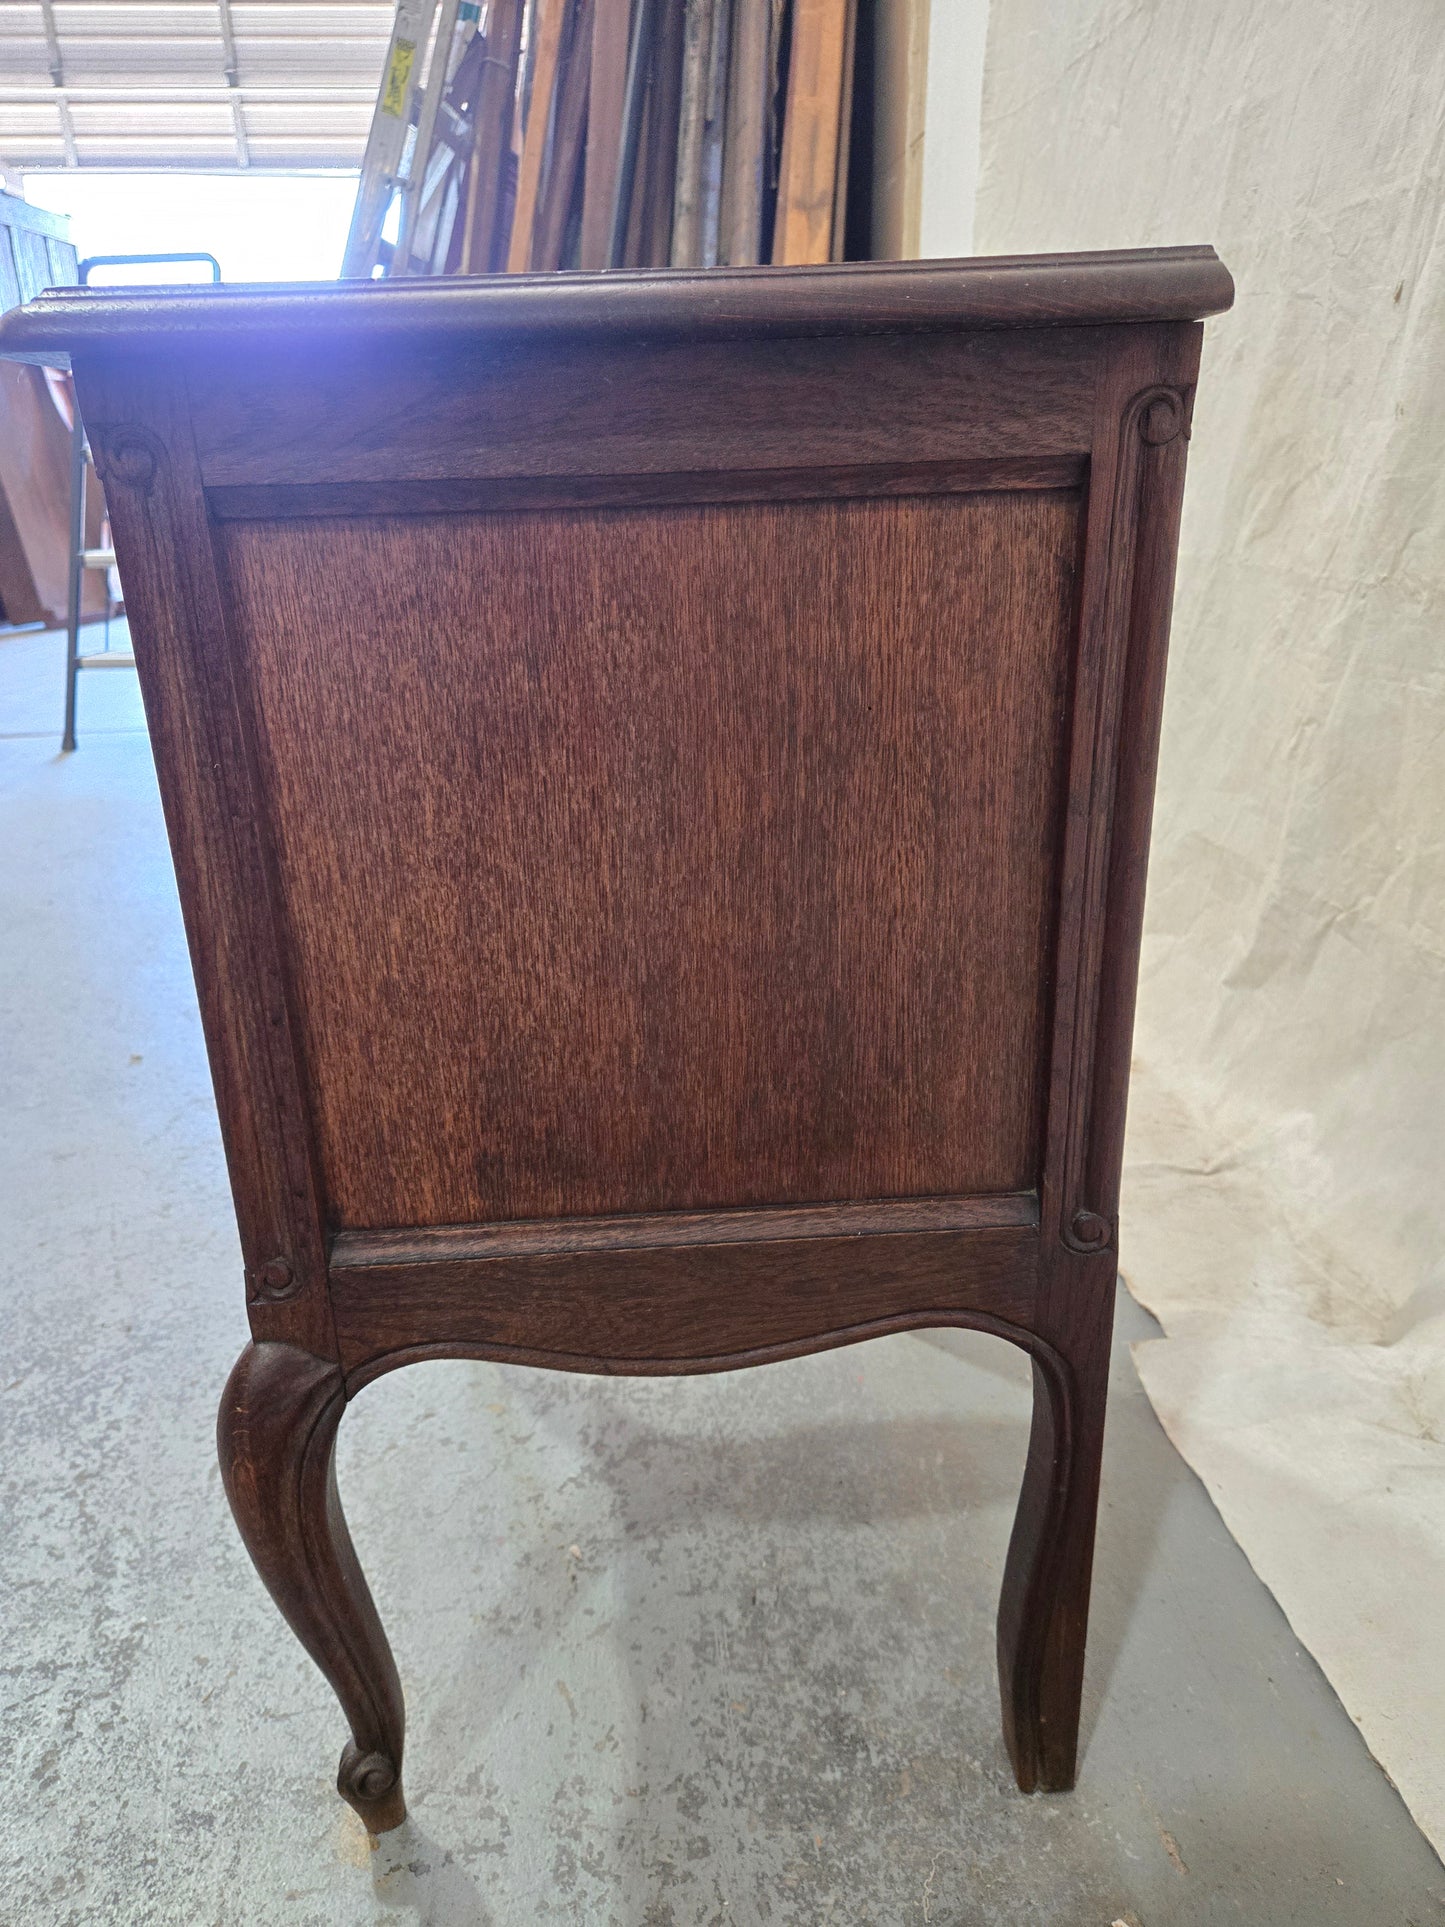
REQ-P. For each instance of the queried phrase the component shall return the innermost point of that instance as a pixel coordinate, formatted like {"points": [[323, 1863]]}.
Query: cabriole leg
{"points": [[277, 1436], [1044, 1608]]}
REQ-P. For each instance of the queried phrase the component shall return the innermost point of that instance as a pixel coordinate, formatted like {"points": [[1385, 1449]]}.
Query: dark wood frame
{"points": [[206, 407]]}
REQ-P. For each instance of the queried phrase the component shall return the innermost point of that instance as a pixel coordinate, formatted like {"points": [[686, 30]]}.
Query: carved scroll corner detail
{"points": [[1162, 415], [126, 458], [1088, 1232], [274, 1282]]}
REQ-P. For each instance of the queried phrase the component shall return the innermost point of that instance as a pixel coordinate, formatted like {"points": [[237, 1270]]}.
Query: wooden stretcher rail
{"points": [[679, 1307]]}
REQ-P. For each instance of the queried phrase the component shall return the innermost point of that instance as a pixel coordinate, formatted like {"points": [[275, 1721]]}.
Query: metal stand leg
{"points": [[82, 558], [77, 544]]}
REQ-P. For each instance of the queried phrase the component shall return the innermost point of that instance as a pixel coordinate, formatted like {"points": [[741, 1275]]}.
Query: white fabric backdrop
{"points": [[1284, 1198]]}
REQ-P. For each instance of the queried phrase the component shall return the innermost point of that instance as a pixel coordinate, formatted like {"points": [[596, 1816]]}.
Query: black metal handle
{"points": [[142, 261]]}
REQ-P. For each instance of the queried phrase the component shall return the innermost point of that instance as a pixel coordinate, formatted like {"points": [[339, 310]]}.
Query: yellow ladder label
{"points": [[398, 73]]}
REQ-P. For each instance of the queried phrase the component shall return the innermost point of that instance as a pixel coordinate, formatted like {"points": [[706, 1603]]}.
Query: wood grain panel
{"points": [[581, 925]]}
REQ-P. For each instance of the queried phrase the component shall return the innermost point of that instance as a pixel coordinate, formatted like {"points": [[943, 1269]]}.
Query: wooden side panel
{"points": [[584, 887], [580, 923]]}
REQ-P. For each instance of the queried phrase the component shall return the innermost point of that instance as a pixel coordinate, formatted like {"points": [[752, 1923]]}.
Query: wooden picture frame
{"points": [[659, 771]]}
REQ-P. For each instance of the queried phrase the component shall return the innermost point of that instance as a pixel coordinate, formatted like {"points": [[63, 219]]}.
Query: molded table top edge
{"points": [[873, 297]]}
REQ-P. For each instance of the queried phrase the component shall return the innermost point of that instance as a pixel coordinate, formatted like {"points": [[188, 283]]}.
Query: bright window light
{"points": [[260, 227]]}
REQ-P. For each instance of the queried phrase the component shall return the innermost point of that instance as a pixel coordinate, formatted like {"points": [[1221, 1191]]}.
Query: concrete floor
{"points": [[678, 1652]]}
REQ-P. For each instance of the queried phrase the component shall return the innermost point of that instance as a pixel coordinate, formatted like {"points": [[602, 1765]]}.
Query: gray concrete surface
{"points": [[678, 1652]]}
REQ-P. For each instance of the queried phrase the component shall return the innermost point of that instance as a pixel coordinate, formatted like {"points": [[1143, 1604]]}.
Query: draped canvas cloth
{"points": [[1284, 1206]]}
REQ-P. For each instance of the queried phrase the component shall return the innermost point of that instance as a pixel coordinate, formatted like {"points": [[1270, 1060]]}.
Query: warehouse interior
{"points": [[707, 1649]]}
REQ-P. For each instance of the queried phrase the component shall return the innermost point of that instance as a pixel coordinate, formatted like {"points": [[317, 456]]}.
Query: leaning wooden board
{"points": [[818, 76], [35, 504], [35, 438], [702, 924]]}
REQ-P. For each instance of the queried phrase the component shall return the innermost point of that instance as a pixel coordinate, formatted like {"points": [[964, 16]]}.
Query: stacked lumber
{"points": [[530, 135]]}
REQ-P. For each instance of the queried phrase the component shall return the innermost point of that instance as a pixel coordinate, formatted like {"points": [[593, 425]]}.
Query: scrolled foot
{"points": [[371, 1784], [277, 1438]]}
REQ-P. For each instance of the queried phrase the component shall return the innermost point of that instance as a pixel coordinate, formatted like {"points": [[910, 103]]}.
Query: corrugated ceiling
{"points": [[192, 83]]}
